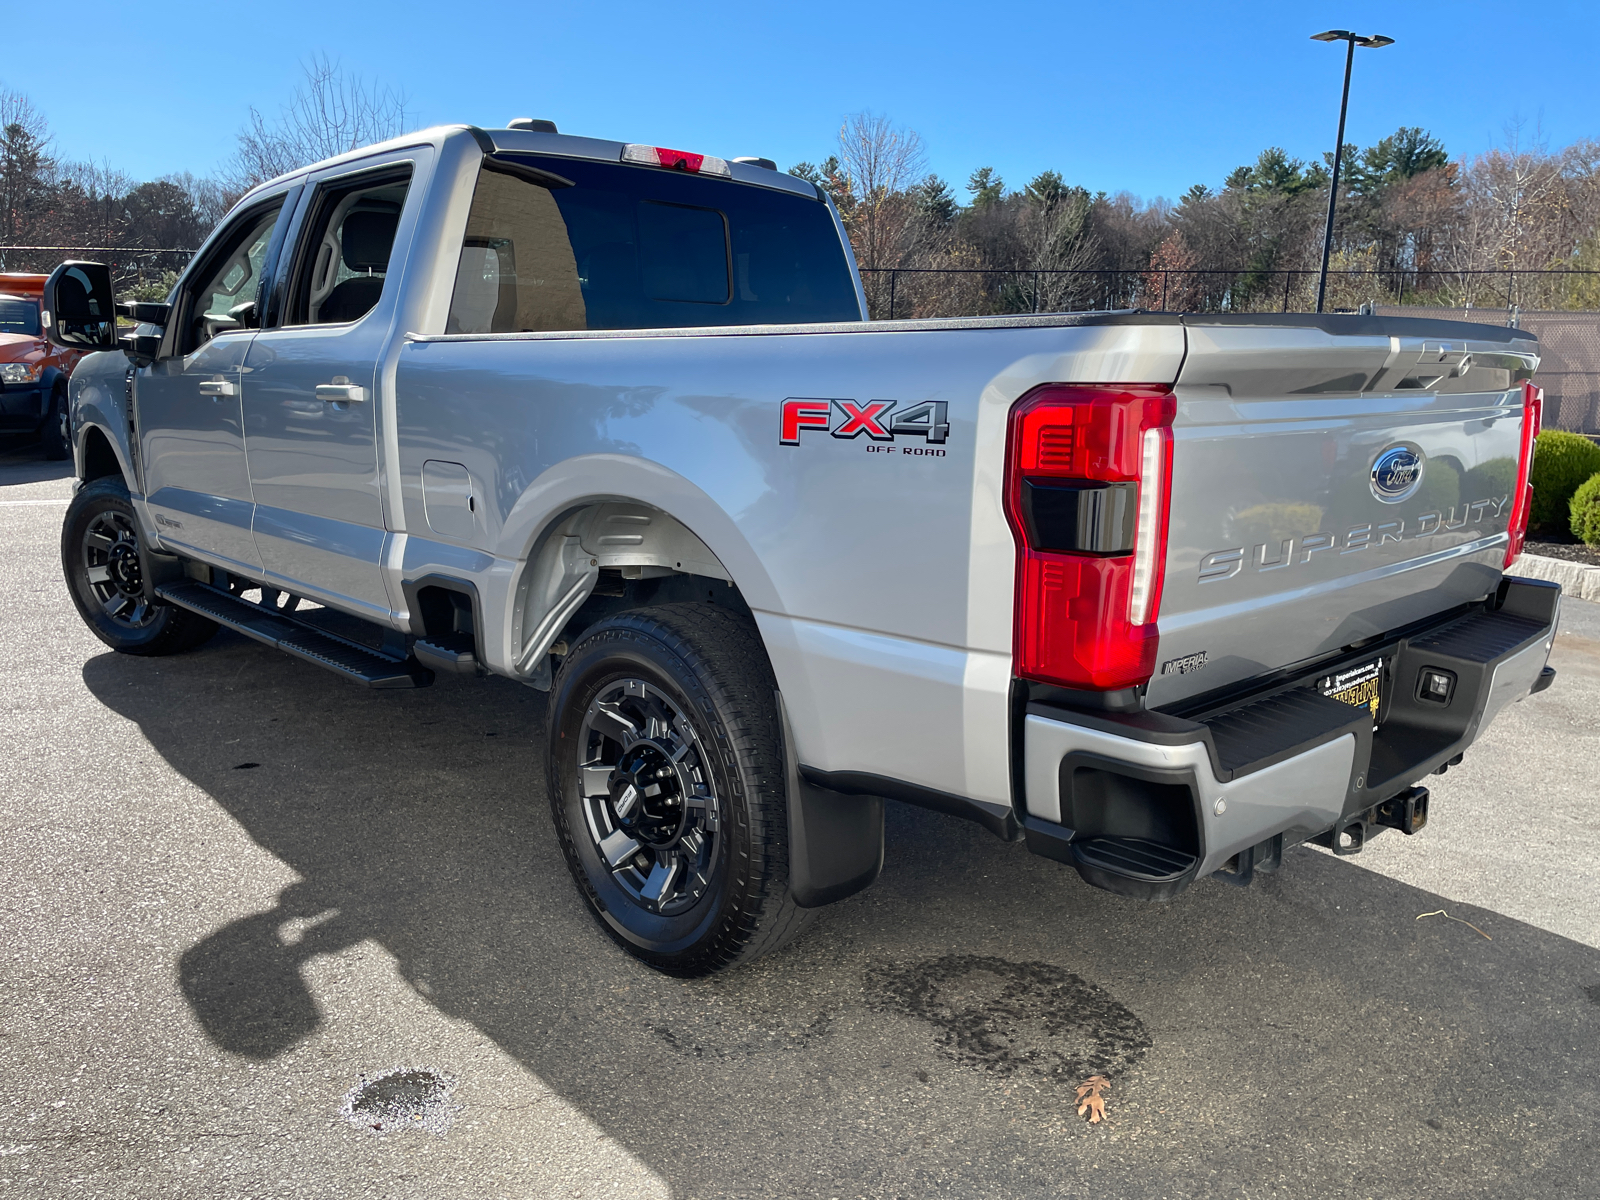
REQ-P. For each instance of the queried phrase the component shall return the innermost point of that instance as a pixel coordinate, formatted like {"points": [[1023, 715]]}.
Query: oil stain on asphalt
{"points": [[1013, 1017]]}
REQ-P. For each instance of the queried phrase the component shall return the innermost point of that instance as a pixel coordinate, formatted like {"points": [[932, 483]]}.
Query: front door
{"points": [[189, 415], [310, 397]]}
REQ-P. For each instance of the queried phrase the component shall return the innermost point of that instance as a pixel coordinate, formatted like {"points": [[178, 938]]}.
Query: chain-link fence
{"points": [[1564, 319], [914, 292]]}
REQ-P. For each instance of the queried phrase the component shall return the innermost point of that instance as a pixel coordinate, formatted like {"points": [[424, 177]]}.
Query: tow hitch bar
{"points": [[1407, 812]]}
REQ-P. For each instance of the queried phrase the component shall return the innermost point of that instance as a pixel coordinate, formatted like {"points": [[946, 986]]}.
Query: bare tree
{"points": [[332, 112], [878, 165]]}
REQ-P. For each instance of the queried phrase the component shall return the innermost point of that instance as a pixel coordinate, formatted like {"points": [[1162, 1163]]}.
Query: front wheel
{"points": [[100, 558], [667, 787]]}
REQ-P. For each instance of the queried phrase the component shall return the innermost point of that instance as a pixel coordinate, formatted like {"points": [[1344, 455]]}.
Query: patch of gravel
{"points": [[1576, 552]]}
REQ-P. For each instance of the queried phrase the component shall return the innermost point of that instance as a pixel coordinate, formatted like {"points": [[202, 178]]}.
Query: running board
{"points": [[358, 663]]}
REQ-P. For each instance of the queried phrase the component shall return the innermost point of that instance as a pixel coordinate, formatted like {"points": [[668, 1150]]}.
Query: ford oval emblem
{"points": [[1397, 474]]}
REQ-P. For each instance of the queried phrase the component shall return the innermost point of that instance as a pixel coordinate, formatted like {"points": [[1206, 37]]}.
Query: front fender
{"points": [[98, 401]]}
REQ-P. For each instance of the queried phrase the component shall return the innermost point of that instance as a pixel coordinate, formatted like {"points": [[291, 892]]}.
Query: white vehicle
{"points": [[1158, 594]]}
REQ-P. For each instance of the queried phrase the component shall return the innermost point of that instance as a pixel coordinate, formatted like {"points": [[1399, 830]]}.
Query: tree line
{"points": [[1413, 224]]}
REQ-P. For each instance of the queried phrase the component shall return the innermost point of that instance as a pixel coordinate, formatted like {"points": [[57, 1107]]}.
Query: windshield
{"points": [[18, 315]]}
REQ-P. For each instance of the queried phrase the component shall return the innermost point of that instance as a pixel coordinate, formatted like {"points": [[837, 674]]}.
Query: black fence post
{"points": [[893, 275]]}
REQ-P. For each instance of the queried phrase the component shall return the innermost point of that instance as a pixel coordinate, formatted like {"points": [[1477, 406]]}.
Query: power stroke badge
{"points": [[877, 420]]}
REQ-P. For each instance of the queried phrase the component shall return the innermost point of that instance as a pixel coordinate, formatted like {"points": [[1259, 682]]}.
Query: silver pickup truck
{"points": [[1158, 595]]}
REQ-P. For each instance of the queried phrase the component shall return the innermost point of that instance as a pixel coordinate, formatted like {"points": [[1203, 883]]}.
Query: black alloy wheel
{"points": [[105, 575], [648, 799], [666, 786]]}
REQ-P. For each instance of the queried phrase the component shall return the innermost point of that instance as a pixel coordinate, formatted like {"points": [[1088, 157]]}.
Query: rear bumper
{"points": [[1145, 803]]}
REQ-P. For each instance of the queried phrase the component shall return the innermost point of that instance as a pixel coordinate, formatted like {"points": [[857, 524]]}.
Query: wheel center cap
{"points": [[123, 566], [644, 793]]}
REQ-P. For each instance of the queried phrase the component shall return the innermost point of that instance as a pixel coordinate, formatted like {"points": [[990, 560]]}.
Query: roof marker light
{"points": [[676, 160]]}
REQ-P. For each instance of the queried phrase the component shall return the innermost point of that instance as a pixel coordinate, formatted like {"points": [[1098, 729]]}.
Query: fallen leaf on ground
{"points": [[1441, 913], [1090, 1100]]}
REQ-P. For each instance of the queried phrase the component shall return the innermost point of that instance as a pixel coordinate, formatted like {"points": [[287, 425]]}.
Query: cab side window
{"points": [[228, 295], [345, 255]]}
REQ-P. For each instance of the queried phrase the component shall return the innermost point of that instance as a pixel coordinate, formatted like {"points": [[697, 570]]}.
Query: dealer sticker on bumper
{"points": [[1358, 687]]}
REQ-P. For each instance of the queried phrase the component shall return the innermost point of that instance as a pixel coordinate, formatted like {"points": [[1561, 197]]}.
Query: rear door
{"points": [[310, 384], [195, 477], [1331, 487]]}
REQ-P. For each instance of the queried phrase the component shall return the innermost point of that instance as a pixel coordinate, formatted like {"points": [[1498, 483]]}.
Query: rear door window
{"points": [[613, 246]]}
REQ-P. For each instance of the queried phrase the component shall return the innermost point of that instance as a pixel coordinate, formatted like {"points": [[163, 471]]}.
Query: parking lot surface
{"points": [[238, 890]]}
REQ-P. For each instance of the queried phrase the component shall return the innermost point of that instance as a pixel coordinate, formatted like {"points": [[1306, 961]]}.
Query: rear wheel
{"points": [[666, 785], [54, 434], [100, 558]]}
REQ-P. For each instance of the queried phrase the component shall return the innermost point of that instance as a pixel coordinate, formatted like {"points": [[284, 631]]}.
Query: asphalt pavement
{"points": [[238, 893]]}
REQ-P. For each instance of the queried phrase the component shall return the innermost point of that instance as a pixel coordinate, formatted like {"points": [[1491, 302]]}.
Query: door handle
{"points": [[217, 388], [340, 391]]}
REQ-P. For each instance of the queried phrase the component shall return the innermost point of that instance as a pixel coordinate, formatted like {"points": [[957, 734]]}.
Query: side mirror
{"points": [[77, 309]]}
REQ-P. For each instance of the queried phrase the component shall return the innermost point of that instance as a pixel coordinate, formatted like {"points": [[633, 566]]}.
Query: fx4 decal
{"points": [[877, 419]]}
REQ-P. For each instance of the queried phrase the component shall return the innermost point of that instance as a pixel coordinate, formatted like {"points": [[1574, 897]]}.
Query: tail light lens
{"points": [[1522, 498], [1088, 483]]}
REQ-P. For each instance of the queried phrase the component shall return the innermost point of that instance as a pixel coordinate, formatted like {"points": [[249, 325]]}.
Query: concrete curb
{"points": [[1575, 578]]}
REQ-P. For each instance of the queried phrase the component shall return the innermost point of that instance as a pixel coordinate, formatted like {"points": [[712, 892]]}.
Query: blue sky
{"points": [[1148, 96]]}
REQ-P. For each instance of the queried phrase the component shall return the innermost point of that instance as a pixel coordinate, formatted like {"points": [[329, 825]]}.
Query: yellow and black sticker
{"points": [[1359, 687]]}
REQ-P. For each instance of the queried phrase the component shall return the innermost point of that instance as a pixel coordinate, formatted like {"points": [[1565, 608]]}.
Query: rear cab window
{"points": [[615, 246]]}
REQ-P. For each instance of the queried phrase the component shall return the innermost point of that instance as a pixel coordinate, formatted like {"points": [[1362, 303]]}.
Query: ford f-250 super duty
{"points": [[1160, 595]]}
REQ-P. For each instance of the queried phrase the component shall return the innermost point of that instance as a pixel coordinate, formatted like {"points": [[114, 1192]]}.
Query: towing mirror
{"points": [[77, 309]]}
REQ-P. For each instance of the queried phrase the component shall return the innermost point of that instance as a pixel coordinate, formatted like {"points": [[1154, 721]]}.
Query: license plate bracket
{"points": [[1360, 686]]}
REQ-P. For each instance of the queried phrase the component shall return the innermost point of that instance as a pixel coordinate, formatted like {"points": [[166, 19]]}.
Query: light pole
{"points": [[1375, 42]]}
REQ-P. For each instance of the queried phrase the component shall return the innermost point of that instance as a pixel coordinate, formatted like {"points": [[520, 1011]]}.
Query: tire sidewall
{"points": [[57, 445], [623, 649], [92, 499]]}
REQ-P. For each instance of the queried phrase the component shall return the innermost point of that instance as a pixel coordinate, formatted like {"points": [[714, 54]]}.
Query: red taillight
{"points": [[1088, 482], [1522, 498], [676, 160]]}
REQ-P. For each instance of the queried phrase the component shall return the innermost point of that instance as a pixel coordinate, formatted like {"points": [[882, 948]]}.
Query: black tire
{"points": [[721, 873], [100, 558], [53, 433]]}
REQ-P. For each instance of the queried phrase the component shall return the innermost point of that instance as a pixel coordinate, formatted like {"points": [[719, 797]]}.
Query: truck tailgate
{"points": [[1328, 488]]}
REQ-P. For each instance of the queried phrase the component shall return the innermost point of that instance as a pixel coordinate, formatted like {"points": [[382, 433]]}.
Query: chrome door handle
{"points": [[217, 388], [341, 391]]}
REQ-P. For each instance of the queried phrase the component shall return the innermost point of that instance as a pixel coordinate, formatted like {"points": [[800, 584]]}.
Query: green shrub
{"points": [[1585, 511], [1561, 461]]}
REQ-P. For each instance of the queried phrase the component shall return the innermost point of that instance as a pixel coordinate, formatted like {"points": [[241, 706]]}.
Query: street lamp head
{"points": [[1375, 42]]}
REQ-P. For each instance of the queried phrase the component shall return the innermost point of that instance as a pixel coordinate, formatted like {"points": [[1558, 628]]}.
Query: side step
{"points": [[1132, 866], [358, 663]]}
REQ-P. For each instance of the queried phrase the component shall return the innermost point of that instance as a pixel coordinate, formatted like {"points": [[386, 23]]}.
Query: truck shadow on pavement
{"points": [[1306, 1034]]}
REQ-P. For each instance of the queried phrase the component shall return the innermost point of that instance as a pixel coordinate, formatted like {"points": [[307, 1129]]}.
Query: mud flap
{"points": [[835, 840]]}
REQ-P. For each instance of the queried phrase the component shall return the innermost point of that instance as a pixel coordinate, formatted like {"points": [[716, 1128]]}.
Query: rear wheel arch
{"points": [[604, 554]]}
